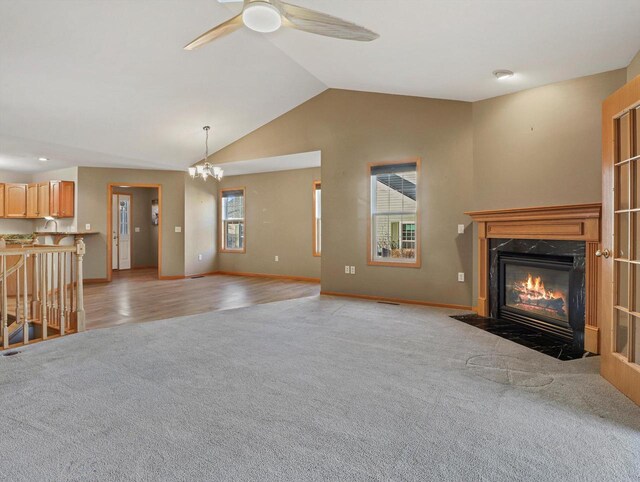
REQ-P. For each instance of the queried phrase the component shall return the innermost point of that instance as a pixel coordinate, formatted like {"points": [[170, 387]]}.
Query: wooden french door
{"points": [[620, 251]]}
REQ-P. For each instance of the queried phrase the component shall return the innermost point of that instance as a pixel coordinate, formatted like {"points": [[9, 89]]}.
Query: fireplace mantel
{"points": [[576, 222]]}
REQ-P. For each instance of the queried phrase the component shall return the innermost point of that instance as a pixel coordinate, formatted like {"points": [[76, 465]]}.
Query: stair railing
{"points": [[41, 292]]}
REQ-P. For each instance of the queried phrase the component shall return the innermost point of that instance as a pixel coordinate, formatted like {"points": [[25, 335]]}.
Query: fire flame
{"points": [[535, 290]]}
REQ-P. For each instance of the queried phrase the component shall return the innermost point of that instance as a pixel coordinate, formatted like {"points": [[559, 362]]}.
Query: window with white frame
{"points": [[394, 221], [232, 211], [317, 218]]}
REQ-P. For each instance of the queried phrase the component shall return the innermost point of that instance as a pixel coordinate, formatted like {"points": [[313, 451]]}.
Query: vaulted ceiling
{"points": [[104, 82]]}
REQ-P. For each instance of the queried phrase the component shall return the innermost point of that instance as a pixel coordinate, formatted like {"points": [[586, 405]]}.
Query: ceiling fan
{"points": [[269, 15]]}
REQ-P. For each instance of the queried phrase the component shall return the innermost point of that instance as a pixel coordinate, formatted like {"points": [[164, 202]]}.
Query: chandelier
{"points": [[206, 169]]}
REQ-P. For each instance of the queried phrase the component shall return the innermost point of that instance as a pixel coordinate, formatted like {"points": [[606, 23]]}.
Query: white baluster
{"points": [[25, 300], [61, 293], [5, 305], [80, 250], [43, 304]]}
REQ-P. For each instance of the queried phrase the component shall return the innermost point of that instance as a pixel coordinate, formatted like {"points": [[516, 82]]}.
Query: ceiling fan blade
{"points": [[216, 32], [320, 23]]}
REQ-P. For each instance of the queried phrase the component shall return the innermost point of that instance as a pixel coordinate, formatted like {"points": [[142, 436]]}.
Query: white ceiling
{"points": [[449, 48], [106, 83]]}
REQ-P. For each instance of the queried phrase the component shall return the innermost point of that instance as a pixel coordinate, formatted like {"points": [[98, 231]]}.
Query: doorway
{"points": [[134, 224]]}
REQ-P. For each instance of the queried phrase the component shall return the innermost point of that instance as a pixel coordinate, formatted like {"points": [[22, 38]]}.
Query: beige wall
{"points": [[355, 128], [200, 226], [633, 70], [279, 220], [541, 146], [92, 208], [145, 240]]}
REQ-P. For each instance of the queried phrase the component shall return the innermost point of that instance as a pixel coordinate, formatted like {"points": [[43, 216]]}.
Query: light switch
{"points": [[277, 258], [461, 277], [460, 228], [87, 227], [137, 229], [178, 229]]}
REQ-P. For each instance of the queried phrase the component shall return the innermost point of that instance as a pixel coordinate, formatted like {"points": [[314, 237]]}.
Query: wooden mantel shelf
{"points": [[575, 222], [569, 211]]}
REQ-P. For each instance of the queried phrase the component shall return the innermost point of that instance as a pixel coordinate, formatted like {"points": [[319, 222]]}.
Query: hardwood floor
{"points": [[137, 295]]}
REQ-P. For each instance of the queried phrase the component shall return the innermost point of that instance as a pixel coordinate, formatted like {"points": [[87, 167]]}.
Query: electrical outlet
{"points": [[178, 229], [346, 270], [353, 270], [276, 258], [460, 228], [461, 277], [137, 229], [87, 227], [199, 257]]}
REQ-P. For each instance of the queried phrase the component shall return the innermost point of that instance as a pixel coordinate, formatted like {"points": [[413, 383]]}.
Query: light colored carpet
{"points": [[310, 389]]}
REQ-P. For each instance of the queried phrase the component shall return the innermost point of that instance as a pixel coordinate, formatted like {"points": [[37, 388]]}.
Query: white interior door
{"points": [[124, 231], [121, 231], [114, 231]]}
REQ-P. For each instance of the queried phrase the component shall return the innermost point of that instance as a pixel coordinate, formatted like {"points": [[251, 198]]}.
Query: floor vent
{"points": [[11, 353], [389, 303], [196, 277]]}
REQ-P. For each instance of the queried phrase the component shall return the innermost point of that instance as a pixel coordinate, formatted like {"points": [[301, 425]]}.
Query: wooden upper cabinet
{"points": [[1, 200], [61, 198], [32, 201], [15, 200], [38, 200], [43, 199]]}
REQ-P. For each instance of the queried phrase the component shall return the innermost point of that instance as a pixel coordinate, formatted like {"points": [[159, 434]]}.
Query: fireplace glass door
{"points": [[538, 292]]}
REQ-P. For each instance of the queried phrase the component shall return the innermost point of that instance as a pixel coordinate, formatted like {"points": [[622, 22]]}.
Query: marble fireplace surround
{"points": [[576, 222]]}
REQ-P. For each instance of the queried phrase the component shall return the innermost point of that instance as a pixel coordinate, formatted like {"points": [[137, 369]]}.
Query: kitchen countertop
{"points": [[60, 235]]}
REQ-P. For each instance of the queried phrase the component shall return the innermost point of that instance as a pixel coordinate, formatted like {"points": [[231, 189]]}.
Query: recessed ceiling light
{"points": [[502, 74], [43, 159]]}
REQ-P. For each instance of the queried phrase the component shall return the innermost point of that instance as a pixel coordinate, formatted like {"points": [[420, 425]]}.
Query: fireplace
{"points": [[557, 244], [539, 284]]}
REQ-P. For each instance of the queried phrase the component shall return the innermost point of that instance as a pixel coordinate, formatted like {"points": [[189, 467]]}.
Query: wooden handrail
{"points": [[14, 268], [43, 290], [39, 249]]}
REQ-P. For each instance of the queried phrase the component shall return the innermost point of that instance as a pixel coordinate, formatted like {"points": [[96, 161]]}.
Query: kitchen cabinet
{"points": [[43, 199], [1, 200], [61, 199], [15, 200], [38, 200]]}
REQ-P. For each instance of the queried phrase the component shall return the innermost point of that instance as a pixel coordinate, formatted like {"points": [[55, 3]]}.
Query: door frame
{"points": [[110, 192], [613, 367], [131, 228]]}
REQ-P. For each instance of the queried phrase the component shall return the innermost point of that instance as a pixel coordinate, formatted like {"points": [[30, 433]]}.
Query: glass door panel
{"points": [[622, 284], [622, 332], [622, 235], [624, 138], [622, 191]]}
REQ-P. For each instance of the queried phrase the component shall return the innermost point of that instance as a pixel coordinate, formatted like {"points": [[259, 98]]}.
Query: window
{"points": [[394, 217], [232, 216], [317, 218]]}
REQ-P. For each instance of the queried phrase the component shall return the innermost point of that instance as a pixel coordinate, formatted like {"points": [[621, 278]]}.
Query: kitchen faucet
{"points": [[49, 219]]}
